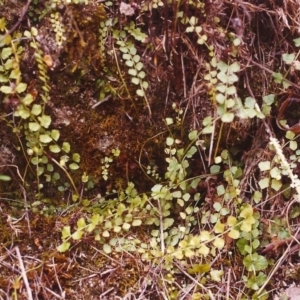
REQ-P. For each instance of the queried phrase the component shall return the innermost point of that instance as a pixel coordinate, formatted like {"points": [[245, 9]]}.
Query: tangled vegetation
{"points": [[149, 149]]}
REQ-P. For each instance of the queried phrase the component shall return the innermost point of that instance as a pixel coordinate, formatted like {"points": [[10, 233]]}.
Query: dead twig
{"points": [[279, 263], [279, 243], [272, 72], [23, 273], [18, 22]]}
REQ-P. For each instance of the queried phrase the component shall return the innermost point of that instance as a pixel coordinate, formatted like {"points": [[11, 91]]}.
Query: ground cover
{"points": [[149, 149]]}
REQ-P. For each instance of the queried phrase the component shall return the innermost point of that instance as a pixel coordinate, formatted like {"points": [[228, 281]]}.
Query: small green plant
{"points": [[195, 222], [132, 59], [290, 59], [58, 28], [124, 42], [131, 207], [248, 245], [221, 78], [193, 21], [171, 241], [10, 73], [106, 161], [41, 141], [152, 171]]}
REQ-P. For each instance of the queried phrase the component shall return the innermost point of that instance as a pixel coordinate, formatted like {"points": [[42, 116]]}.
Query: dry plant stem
{"points": [[161, 224], [28, 164], [272, 72], [183, 75], [167, 95], [89, 276], [101, 101], [106, 292], [165, 289], [212, 142], [143, 288], [11, 173], [123, 81], [280, 243], [23, 273], [22, 189], [186, 291], [54, 294], [26, 209], [228, 285], [18, 22], [68, 175], [194, 92], [56, 277], [219, 139], [8, 266]]}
